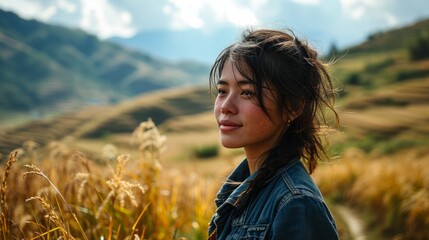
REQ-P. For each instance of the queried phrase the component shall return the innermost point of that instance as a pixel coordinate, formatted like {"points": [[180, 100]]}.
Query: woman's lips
{"points": [[227, 125]]}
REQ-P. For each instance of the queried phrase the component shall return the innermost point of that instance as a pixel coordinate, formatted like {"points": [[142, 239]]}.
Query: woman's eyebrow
{"points": [[221, 82], [239, 82], [245, 82]]}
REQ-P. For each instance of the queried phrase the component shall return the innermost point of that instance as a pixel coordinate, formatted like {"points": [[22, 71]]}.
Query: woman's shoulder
{"points": [[294, 181]]}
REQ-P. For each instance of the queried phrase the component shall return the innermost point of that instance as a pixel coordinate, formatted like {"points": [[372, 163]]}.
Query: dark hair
{"points": [[281, 62]]}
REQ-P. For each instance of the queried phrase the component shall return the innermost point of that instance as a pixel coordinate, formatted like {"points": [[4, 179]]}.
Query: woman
{"points": [[271, 95]]}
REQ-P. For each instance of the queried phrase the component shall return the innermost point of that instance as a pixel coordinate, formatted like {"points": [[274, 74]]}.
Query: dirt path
{"points": [[354, 223]]}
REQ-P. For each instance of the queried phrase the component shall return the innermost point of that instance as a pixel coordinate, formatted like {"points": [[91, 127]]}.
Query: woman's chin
{"points": [[230, 144]]}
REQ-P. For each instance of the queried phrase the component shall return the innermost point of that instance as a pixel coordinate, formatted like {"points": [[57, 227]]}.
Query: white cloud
{"points": [[357, 9], [230, 12], [357, 12], [107, 18], [96, 16], [354, 8], [184, 13], [30, 9], [198, 13], [67, 6], [47, 13], [391, 20], [307, 2], [101, 18]]}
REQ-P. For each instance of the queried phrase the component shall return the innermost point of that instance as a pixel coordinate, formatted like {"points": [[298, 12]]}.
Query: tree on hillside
{"points": [[333, 52], [419, 49]]}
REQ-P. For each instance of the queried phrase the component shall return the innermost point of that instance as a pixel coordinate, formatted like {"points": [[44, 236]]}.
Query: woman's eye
{"points": [[220, 92], [247, 93]]}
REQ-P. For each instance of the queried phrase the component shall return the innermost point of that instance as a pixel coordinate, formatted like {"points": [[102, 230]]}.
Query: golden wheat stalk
{"points": [[10, 162], [52, 216], [33, 170], [151, 143], [83, 178], [3, 220], [119, 188]]}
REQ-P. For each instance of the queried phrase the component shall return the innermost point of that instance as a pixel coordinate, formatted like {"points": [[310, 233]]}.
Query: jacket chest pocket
{"points": [[254, 232]]}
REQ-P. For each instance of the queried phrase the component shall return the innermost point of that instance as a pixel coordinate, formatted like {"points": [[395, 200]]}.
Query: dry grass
{"points": [[357, 62], [393, 189], [66, 195], [4, 220], [151, 194]]}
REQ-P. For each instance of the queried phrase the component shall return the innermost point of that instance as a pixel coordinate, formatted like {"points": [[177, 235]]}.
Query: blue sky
{"points": [[323, 22]]}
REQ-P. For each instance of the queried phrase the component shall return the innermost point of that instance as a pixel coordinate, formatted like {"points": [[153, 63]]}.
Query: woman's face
{"points": [[242, 123]]}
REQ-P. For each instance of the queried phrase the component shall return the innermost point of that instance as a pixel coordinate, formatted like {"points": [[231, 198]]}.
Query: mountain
{"points": [[192, 44], [51, 67]]}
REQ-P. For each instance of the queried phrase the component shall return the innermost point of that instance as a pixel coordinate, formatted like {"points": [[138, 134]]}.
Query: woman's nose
{"points": [[229, 105]]}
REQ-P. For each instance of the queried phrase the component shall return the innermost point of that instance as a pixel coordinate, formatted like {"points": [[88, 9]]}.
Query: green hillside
{"points": [[392, 40], [52, 68], [384, 101]]}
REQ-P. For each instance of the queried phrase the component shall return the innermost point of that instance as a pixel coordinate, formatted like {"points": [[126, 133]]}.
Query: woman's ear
{"points": [[293, 112]]}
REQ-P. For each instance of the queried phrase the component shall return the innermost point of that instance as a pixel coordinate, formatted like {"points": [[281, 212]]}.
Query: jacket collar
{"points": [[236, 183], [239, 180]]}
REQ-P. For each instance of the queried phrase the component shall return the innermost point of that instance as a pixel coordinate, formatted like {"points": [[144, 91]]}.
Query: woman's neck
{"points": [[254, 161]]}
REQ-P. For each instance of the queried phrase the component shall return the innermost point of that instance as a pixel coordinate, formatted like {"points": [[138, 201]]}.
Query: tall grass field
{"points": [[58, 192]]}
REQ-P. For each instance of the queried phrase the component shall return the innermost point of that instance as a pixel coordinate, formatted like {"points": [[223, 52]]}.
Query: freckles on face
{"points": [[242, 122]]}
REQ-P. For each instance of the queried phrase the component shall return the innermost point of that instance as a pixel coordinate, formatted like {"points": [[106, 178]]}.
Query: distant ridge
{"points": [[52, 68], [394, 39]]}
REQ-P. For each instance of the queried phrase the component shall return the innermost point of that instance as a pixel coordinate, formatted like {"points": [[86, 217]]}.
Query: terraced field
{"points": [[399, 110], [96, 122]]}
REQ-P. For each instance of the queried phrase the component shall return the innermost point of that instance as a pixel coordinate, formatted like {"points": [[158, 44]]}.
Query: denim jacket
{"points": [[290, 206]]}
